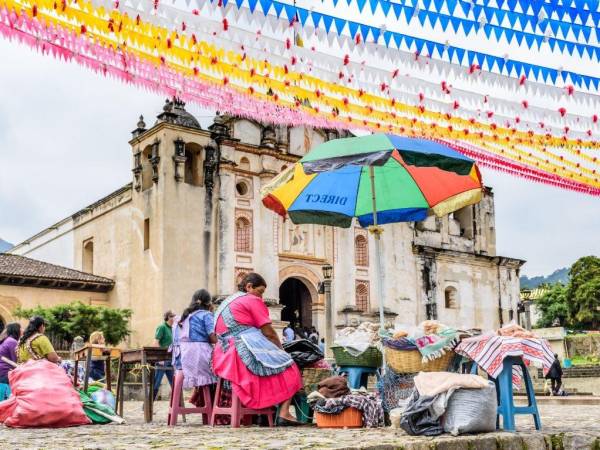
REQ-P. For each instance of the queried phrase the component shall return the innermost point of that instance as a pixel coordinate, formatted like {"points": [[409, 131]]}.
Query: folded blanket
{"points": [[333, 387], [434, 346], [433, 383], [402, 343]]}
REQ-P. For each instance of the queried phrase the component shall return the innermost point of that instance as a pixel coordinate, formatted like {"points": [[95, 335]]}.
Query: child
{"points": [[97, 366]]}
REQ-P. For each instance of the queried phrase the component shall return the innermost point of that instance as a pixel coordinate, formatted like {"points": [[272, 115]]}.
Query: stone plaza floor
{"points": [[566, 427]]}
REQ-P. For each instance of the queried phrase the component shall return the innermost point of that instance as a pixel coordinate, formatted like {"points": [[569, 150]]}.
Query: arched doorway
{"points": [[297, 303]]}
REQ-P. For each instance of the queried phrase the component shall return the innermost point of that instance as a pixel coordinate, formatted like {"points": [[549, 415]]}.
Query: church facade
{"points": [[192, 217]]}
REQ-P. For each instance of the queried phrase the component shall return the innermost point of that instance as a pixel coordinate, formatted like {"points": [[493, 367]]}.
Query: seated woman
{"points": [[249, 353], [192, 338], [8, 349], [34, 345], [97, 366]]}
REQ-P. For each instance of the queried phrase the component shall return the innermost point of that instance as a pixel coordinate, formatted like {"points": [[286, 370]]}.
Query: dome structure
{"points": [[174, 112]]}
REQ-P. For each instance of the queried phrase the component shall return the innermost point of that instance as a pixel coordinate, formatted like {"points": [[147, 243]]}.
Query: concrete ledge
{"points": [[496, 441]]}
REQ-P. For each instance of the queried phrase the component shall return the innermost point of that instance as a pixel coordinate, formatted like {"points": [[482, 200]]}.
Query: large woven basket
{"points": [[411, 361], [312, 376], [348, 418], [369, 358]]}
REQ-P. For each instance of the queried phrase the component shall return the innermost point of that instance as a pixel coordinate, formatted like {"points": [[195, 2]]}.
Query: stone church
{"points": [[192, 217]]}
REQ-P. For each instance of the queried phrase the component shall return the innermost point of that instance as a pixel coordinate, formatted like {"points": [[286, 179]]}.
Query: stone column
{"points": [[225, 233], [266, 260]]}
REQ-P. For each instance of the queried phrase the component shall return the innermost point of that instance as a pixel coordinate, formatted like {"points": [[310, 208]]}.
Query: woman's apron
{"points": [[259, 354]]}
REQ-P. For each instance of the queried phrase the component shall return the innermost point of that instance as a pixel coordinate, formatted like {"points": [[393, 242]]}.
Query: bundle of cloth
{"points": [[451, 402], [489, 351], [431, 338], [333, 396], [304, 353], [42, 396], [356, 340]]}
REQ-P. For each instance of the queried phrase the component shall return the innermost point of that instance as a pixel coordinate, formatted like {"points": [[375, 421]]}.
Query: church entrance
{"points": [[297, 303]]}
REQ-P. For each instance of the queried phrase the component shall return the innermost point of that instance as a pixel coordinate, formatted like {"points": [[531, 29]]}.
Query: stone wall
{"points": [[588, 345]]}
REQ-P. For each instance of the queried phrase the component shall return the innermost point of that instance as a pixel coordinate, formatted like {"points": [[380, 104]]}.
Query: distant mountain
{"points": [[558, 276], [5, 245]]}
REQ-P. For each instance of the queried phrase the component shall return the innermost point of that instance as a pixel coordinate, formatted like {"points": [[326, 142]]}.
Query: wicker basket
{"points": [[369, 358], [348, 418], [312, 376], [410, 361]]}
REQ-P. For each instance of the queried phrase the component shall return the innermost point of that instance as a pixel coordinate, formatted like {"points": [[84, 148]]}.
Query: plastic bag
{"points": [[104, 397], [471, 411], [418, 418], [303, 352], [42, 396]]}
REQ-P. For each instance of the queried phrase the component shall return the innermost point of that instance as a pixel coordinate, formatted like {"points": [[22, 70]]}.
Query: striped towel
{"points": [[489, 351]]}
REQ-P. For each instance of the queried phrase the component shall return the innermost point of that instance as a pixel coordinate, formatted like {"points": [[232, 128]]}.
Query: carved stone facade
{"points": [[193, 218]]}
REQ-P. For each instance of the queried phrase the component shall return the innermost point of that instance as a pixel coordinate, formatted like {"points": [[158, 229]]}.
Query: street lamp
{"points": [[327, 279], [327, 271]]}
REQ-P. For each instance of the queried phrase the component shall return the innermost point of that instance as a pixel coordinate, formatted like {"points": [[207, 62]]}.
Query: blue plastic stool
{"points": [[358, 376], [504, 391]]}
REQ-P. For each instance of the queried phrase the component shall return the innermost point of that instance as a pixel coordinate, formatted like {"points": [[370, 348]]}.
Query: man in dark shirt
{"points": [[163, 337], [555, 375]]}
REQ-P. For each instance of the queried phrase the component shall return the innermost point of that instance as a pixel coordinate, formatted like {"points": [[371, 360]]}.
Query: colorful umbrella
{"points": [[378, 179]]}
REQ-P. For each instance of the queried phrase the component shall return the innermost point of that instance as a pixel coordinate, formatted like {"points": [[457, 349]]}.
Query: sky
{"points": [[63, 145]]}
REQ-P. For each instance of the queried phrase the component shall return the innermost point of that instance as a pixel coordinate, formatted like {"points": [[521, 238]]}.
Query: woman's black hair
{"points": [[200, 300], [13, 330], [254, 279], [34, 325]]}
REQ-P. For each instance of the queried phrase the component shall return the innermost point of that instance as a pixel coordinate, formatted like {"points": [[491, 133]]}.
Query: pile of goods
{"points": [[424, 348], [358, 346], [448, 402], [337, 406]]}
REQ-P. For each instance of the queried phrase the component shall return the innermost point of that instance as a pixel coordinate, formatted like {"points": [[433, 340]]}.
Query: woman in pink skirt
{"points": [[192, 339], [249, 354]]}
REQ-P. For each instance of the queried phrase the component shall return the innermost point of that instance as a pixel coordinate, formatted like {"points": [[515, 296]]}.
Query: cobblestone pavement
{"points": [[565, 427]]}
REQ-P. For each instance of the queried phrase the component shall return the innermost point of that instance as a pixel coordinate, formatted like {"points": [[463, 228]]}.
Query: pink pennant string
{"points": [[129, 68]]}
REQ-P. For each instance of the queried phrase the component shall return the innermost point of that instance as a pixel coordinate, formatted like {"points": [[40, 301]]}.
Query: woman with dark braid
{"points": [[34, 344], [193, 337]]}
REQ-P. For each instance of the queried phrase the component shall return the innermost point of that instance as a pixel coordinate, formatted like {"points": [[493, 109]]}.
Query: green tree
{"points": [[78, 319], [553, 305], [583, 293]]}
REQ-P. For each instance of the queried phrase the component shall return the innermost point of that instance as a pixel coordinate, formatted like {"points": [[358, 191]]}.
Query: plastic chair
{"points": [[177, 407], [357, 375], [237, 411], [504, 391]]}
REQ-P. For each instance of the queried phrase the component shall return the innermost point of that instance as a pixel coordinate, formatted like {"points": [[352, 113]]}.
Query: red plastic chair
{"points": [[237, 411], [176, 406]]}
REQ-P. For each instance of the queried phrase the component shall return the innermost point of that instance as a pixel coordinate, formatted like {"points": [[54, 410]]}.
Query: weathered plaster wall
{"points": [[12, 297]]}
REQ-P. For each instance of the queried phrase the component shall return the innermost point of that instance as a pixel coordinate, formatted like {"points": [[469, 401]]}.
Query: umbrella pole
{"points": [[377, 230]]}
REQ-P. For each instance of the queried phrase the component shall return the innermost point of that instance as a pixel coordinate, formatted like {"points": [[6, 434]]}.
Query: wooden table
{"points": [[88, 354], [146, 357]]}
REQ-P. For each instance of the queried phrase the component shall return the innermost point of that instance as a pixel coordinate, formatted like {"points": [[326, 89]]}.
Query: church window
{"points": [[451, 297], [244, 163], [146, 168], [243, 235], [146, 234], [87, 263], [362, 296], [361, 251], [193, 165], [241, 188]]}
